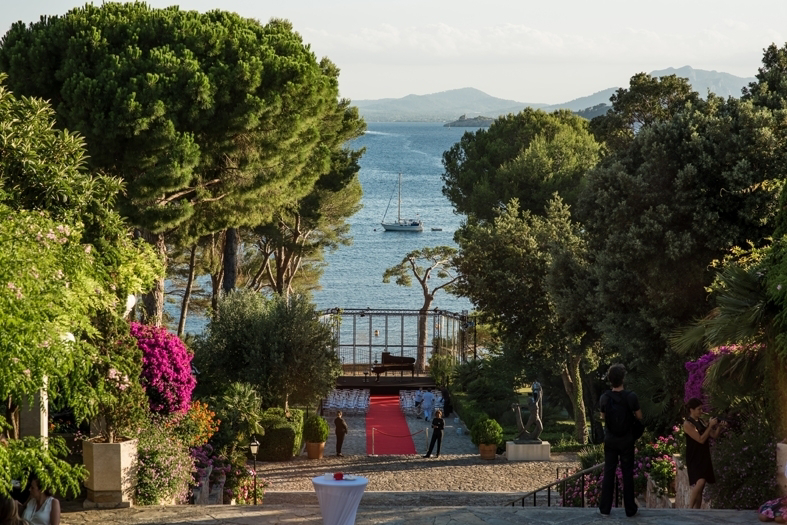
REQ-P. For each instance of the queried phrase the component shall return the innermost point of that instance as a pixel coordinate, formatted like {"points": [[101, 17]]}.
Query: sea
{"points": [[353, 274]]}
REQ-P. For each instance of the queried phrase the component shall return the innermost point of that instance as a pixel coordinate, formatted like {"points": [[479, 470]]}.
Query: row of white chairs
{"points": [[407, 401], [351, 401]]}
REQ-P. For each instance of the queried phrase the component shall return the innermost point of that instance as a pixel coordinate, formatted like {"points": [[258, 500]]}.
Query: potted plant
{"points": [[487, 434], [315, 433]]}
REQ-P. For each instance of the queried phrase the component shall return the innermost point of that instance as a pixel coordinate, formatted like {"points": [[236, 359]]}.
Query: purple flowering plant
{"points": [[166, 369], [697, 371]]}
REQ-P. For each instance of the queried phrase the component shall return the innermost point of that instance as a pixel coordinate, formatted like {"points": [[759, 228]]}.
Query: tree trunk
{"points": [[423, 316], [184, 307], [153, 301], [572, 382], [12, 418], [230, 260]]}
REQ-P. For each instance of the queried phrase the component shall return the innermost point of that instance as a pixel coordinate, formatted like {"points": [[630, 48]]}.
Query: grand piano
{"points": [[394, 362]]}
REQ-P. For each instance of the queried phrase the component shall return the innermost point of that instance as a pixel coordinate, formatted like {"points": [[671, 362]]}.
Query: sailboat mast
{"points": [[399, 208]]}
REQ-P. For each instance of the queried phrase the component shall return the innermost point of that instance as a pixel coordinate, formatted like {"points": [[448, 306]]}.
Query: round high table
{"points": [[339, 499]]}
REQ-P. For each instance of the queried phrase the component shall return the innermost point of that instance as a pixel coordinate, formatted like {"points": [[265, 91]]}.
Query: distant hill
{"points": [[722, 84], [443, 106], [471, 102]]}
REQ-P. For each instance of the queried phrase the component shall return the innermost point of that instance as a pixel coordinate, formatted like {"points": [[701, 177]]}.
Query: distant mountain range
{"points": [[449, 105]]}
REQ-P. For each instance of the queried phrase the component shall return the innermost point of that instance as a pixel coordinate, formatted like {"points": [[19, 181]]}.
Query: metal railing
{"points": [[563, 484]]}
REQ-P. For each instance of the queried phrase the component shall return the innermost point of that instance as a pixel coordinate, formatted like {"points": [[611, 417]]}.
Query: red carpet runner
{"points": [[384, 415]]}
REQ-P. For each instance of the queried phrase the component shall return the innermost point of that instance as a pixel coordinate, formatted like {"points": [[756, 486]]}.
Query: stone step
{"points": [[412, 499]]}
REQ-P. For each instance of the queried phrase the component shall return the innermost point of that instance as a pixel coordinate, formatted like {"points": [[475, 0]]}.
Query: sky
{"points": [[550, 51]]}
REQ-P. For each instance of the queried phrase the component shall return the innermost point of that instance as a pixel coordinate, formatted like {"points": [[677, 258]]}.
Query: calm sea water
{"points": [[353, 276]]}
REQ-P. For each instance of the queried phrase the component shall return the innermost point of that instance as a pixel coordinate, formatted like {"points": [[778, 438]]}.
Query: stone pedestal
{"points": [[528, 451], [112, 472]]}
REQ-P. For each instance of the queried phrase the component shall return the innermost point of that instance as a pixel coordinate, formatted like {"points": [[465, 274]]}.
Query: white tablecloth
{"points": [[339, 499]]}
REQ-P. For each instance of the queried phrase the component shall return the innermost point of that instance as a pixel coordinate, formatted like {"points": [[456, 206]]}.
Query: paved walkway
{"points": [[309, 514]]}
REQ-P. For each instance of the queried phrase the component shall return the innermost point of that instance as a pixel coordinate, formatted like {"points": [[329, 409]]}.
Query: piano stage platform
{"points": [[388, 385]]}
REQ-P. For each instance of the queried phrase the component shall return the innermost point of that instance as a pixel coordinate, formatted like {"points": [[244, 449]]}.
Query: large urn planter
{"points": [[112, 469], [315, 450], [487, 451]]}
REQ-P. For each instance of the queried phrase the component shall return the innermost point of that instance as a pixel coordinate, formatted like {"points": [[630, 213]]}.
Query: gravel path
{"points": [[459, 467]]}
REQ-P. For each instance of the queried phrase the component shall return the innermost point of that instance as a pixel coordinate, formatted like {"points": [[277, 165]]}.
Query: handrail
{"points": [[548, 488]]}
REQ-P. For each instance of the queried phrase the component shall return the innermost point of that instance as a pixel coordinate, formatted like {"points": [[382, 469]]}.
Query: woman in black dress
{"points": [[698, 460], [438, 424]]}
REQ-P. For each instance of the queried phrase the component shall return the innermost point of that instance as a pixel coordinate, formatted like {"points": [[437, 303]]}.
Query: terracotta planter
{"points": [[487, 451], [112, 468], [781, 464], [315, 450]]}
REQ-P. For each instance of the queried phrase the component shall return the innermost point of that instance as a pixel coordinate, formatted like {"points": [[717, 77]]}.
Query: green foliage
{"points": [[239, 408], [441, 369], [466, 409], [486, 432], [164, 465], [22, 458], [278, 345], [528, 156], [315, 429], [662, 473], [590, 456], [283, 434], [744, 462], [647, 100], [285, 254], [189, 108]]}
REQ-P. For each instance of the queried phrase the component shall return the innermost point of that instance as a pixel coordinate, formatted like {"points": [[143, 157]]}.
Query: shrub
{"points": [[744, 462], [283, 435], [204, 457], [697, 371], [197, 426], [487, 432], [315, 429], [662, 473], [590, 456], [166, 369], [244, 491], [165, 466]]}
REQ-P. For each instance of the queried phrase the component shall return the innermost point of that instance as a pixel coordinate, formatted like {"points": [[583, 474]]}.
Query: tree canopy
{"points": [[527, 156], [213, 121], [277, 345]]}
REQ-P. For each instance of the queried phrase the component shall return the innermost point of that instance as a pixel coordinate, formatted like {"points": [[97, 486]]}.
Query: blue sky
{"points": [[546, 51]]}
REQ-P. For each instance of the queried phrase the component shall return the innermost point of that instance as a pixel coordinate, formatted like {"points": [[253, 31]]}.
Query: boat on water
{"points": [[401, 225]]}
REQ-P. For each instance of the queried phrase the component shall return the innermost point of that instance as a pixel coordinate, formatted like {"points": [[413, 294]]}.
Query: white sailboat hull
{"points": [[403, 225]]}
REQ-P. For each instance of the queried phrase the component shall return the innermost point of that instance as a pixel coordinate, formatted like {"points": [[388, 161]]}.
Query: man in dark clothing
{"points": [[619, 407], [341, 431]]}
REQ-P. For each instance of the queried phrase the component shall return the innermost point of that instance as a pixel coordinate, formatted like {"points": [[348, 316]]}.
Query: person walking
{"points": [[698, 460], [438, 425], [619, 407], [341, 431], [428, 404], [419, 398]]}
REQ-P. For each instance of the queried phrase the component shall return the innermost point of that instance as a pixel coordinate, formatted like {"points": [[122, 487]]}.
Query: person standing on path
{"points": [[428, 405], [341, 431], [619, 407], [698, 460], [438, 424], [419, 398]]}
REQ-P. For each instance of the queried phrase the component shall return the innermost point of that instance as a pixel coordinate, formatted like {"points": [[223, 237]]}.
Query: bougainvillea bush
{"points": [[697, 371], [166, 369]]}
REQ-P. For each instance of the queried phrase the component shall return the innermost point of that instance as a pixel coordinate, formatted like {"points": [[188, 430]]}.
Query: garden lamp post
{"points": [[254, 446]]}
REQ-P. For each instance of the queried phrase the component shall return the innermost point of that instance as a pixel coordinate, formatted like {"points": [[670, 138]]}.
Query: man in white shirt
{"points": [[427, 405]]}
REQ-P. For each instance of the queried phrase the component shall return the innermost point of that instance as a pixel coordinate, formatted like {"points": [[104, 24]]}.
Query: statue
{"points": [[526, 436]]}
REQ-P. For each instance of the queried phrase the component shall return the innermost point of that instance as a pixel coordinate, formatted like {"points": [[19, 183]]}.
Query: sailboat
{"points": [[401, 225]]}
